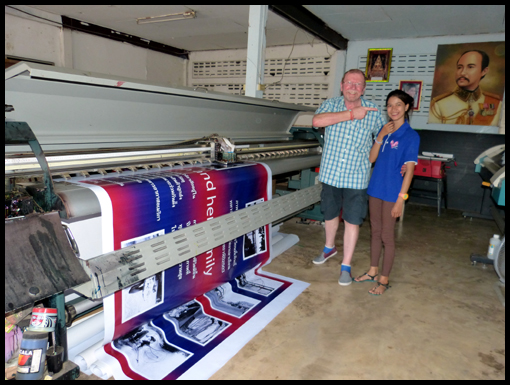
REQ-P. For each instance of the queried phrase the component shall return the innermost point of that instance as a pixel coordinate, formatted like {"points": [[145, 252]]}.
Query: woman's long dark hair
{"points": [[407, 99]]}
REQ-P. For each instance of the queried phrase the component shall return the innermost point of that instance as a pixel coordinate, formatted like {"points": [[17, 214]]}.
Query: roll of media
{"points": [[101, 370], [85, 329], [88, 357]]}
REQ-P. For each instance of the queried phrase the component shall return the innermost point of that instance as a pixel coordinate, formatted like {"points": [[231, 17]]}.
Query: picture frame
{"points": [[378, 65], [413, 88], [487, 109]]}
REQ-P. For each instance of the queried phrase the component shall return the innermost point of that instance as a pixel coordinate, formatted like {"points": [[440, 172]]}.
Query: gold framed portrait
{"points": [[469, 84], [378, 64]]}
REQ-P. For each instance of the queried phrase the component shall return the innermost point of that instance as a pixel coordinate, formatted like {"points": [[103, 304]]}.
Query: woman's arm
{"points": [[374, 152], [396, 211]]}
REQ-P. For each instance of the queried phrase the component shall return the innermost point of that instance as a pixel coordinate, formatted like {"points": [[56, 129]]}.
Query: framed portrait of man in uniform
{"points": [[469, 83]]}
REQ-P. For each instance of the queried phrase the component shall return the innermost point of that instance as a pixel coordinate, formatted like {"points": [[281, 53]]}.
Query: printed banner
{"points": [[147, 205], [167, 325]]}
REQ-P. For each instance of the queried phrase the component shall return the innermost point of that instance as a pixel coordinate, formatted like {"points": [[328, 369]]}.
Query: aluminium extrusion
{"points": [[121, 268]]}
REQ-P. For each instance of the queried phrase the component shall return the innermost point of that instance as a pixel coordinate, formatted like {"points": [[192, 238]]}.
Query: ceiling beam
{"points": [[304, 19], [109, 33]]}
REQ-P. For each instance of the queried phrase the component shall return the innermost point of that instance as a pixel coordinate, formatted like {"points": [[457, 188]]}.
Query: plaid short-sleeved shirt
{"points": [[347, 145]]}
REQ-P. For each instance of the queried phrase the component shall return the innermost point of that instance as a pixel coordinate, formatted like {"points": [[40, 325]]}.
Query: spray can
{"points": [[32, 356], [493, 246]]}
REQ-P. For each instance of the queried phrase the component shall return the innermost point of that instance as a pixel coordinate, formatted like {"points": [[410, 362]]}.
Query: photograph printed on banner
{"points": [[191, 323], [254, 242], [257, 284], [223, 299], [149, 353], [146, 294]]}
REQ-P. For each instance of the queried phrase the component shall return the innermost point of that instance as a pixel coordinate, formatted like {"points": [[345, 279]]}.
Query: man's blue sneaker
{"points": [[345, 278], [323, 257]]}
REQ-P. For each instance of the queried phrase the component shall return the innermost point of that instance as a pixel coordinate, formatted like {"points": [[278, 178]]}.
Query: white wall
{"points": [[413, 59], [303, 74], [426, 49], [96, 54], [221, 66], [30, 37], [34, 38]]}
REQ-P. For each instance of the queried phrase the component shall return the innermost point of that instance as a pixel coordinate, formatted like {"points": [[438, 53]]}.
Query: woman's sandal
{"points": [[372, 278], [386, 286]]}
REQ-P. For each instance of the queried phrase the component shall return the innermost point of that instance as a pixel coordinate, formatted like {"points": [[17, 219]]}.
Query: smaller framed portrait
{"points": [[412, 88], [378, 64]]}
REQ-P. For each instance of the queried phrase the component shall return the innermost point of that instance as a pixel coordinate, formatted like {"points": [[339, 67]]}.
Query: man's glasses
{"points": [[351, 84]]}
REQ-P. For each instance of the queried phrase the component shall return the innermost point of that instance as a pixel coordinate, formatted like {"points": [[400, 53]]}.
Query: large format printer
{"points": [[63, 123]]}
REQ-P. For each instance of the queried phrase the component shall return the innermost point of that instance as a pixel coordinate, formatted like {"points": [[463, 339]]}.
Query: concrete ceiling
{"points": [[366, 22], [226, 26]]}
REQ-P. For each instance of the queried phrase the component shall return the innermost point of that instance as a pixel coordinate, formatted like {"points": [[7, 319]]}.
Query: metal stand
{"points": [[479, 214], [69, 370], [440, 191], [477, 258]]}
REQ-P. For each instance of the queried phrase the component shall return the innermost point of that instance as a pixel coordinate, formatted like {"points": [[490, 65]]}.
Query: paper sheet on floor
{"points": [[197, 338]]}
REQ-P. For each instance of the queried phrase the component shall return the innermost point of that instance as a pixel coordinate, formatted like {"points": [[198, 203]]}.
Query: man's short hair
{"points": [[355, 71], [485, 57]]}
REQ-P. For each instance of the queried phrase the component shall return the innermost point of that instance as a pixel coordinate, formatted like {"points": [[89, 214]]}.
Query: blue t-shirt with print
{"points": [[398, 148]]}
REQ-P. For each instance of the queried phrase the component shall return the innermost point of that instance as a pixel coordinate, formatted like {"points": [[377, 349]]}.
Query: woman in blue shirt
{"points": [[396, 144]]}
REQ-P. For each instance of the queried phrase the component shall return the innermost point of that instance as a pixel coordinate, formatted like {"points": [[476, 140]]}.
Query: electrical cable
{"points": [[285, 61], [38, 17]]}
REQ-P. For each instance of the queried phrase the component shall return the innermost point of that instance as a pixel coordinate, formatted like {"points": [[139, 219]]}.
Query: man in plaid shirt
{"points": [[351, 123]]}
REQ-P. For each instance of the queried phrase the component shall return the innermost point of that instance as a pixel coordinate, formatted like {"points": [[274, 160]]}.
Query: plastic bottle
{"points": [[32, 356], [493, 246]]}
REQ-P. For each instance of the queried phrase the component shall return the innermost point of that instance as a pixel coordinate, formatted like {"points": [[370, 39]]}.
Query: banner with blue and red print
{"points": [[168, 323]]}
